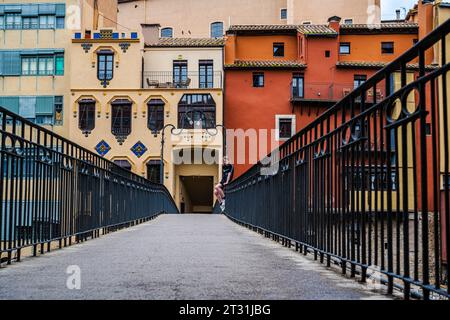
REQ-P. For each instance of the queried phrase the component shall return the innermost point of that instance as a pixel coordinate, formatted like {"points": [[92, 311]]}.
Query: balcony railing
{"points": [[190, 80], [332, 92]]}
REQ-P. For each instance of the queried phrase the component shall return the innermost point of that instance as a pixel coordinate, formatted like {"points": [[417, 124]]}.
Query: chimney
{"points": [[397, 12], [150, 33], [334, 23]]}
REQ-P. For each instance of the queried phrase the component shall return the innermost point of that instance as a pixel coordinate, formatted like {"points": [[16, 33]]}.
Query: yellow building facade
{"points": [[125, 94]]}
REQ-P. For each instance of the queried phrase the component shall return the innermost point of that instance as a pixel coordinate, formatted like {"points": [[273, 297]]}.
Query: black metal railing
{"points": [[53, 190], [186, 80], [396, 220]]}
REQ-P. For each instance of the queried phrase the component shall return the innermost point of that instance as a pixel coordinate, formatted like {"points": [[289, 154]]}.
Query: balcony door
{"points": [[297, 86], [180, 74], [206, 74]]}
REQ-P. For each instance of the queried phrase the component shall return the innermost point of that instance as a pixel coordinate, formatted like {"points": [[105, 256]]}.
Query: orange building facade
{"points": [[281, 77]]}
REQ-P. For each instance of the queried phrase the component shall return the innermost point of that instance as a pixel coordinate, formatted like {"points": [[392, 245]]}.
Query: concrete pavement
{"points": [[178, 257]]}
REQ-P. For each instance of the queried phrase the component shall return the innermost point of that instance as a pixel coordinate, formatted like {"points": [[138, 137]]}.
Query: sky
{"points": [[388, 7]]}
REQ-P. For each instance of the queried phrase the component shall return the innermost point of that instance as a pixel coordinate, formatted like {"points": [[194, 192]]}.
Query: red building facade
{"points": [[281, 77]]}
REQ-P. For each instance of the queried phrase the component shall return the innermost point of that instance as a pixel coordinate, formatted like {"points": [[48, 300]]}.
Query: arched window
{"points": [[155, 115], [154, 171], [86, 115], [166, 33], [197, 111], [121, 119], [105, 66], [217, 30], [124, 164]]}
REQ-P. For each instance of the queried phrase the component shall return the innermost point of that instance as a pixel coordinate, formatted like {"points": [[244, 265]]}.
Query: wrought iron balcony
{"points": [[189, 80], [328, 92]]}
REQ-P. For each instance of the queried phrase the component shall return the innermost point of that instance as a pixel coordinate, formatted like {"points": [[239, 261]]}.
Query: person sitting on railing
{"points": [[227, 176]]}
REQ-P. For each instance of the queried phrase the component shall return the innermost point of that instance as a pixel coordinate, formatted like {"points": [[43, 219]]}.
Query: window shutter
{"points": [[47, 8], [10, 103], [30, 10], [44, 105], [60, 10], [11, 63], [13, 8], [1, 63], [27, 107]]}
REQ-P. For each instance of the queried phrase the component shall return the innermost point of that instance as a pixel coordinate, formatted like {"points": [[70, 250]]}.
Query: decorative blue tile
{"points": [[102, 148], [134, 35], [139, 149]]}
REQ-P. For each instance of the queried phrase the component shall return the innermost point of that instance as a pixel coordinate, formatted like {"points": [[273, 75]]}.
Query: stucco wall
{"points": [[127, 65], [161, 60], [361, 11], [193, 18]]}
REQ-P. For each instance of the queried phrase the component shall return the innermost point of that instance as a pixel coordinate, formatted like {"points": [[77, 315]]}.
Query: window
{"points": [[105, 68], [206, 74], [13, 21], [46, 65], [30, 23], [124, 164], [197, 111], [285, 126], [32, 16], [344, 48], [348, 21], [180, 73], [47, 22], [283, 14], [43, 65], [306, 22], [121, 119], [297, 86], [327, 53], [258, 79], [155, 115], [387, 47], [358, 80], [45, 110], [29, 66], [154, 171], [278, 49], [39, 109], [166, 33], [60, 22], [217, 30], [59, 103], [59, 65], [86, 115]]}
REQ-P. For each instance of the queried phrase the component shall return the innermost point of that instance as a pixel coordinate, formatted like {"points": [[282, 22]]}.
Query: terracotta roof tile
{"points": [[188, 42], [242, 64], [309, 29], [376, 65], [389, 27]]}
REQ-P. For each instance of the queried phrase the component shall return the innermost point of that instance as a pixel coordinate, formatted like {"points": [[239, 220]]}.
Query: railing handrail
{"points": [[410, 54], [363, 182], [16, 117]]}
